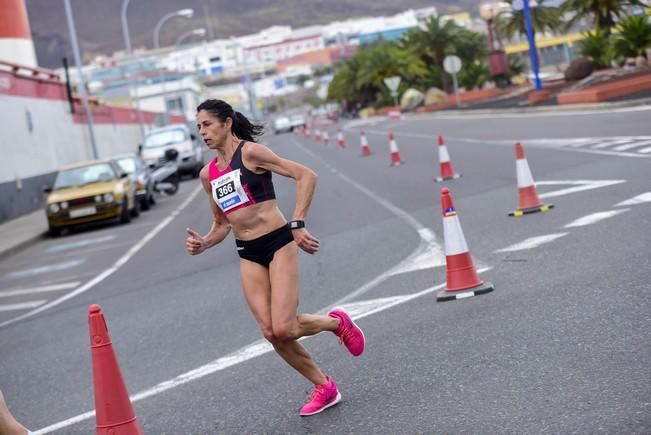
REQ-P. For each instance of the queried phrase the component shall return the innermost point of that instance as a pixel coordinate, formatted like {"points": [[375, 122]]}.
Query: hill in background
{"points": [[99, 27]]}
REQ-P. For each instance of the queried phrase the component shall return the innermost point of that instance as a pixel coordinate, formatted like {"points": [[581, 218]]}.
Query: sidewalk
{"points": [[18, 233]]}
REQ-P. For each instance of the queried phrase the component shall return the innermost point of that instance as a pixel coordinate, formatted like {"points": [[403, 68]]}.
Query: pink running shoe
{"points": [[350, 335], [323, 397]]}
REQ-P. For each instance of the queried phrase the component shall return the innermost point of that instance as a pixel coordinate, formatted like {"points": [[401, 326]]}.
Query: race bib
{"points": [[227, 191]]}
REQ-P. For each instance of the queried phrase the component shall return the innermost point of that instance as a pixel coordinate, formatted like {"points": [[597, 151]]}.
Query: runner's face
{"points": [[214, 132]]}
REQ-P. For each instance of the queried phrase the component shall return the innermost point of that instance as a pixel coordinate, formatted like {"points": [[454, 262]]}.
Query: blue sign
{"points": [[230, 202]]}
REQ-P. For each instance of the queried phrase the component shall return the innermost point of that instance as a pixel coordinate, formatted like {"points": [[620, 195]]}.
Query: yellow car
{"points": [[90, 191]]}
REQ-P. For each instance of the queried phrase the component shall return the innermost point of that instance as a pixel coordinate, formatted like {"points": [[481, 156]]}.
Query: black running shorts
{"points": [[262, 249]]}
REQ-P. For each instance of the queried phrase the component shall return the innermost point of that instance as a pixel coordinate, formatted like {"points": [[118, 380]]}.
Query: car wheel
{"points": [[125, 216], [135, 211], [54, 232], [144, 204]]}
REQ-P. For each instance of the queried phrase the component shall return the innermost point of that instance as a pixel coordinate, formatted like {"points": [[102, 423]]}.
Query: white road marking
{"points": [[594, 218], [609, 143], [41, 289], [581, 185], [532, 242], [119, 263], [632, 145], [640, 199], [44, 269], [244, 354], [22, 306], [65, 246], [645, 150]]}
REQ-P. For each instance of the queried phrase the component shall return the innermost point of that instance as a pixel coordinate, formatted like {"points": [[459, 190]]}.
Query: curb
{"points": [[7, 251], [543, 109]]}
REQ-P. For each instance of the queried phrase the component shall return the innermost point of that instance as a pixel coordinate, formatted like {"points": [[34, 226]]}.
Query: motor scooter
{"points": [[166, 176]]}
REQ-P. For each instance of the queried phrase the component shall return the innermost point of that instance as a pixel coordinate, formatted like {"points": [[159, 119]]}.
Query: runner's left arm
{"points": [[264, 159]]}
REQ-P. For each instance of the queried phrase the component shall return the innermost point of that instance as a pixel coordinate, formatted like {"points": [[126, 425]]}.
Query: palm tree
{"points": [[433, 43], [597, 47], [603, 12], [634, 37], [543, 18]]}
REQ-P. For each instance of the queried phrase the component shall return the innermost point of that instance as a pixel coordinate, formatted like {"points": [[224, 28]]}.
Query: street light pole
{"points": [[186, 13], [533, 52], [82, 81], [196, 32], [127, 45]]}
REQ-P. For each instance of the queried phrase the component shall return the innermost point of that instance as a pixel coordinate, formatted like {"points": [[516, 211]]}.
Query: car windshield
{"points": [[82, 175], [167, 137], [127, 164]]}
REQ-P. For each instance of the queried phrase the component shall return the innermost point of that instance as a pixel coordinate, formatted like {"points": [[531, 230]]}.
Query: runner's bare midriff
{"points": [[256, 220]]}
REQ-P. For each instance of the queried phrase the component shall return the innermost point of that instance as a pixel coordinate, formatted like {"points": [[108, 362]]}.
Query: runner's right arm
{"points": [[195, 243]]}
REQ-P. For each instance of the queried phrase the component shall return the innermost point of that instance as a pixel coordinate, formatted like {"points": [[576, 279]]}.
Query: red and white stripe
{"points": [[364, 144], [461, 273], [317, 135], [306, 131], [340, 139], [445, 165], [395, 152], [527, 193]]}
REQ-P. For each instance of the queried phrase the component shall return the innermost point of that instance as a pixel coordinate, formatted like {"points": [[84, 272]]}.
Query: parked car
{"points": [[282, 125], [90, 191], [297, 121], [178, 137], [140, 175]]}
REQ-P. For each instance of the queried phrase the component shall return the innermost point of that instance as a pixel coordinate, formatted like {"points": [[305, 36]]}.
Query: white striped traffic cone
{"points": [[306, 131], [528, 202], [364, 144], [325, 137], [317, 135], [395, 152], [462, 280], [340, 139], [445, 165]]}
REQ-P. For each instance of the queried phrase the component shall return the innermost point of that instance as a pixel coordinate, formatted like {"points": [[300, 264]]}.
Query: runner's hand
{"points": [[306, 241], [194, 243]]}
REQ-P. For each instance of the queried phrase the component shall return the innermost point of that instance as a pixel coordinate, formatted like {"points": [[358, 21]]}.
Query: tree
{"points": [[597, 47], [543, 18], [634, 37], [603, 13], [433, 43]]}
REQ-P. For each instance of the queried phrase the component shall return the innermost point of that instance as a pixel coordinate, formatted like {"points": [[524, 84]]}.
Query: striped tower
{"points": [[325, 137], [366, 151], [340, 139], [16, 44], [395, 152], [462, 280], [445, 165], [529, 202]]}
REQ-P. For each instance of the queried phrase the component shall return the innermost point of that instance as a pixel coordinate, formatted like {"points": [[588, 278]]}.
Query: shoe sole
{"points": [[357, 326], [333, 403]]}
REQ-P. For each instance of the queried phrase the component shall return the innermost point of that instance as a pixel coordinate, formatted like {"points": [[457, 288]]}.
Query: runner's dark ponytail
{"points": [[242, 127]]}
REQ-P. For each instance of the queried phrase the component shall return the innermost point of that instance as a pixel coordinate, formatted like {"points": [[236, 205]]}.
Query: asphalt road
{"points": [[561, 346]]}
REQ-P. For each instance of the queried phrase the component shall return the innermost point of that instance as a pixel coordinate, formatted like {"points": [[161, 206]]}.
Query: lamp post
{"points": [[127, 45], [82, 81], [533, 52], [186, 13], [196, 32]]}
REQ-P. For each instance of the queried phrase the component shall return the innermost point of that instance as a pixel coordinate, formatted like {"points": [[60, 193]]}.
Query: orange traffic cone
{"points": [[114, 413], [364, 144], [317, 135], [529, 202], [306, 131], [325, 137], [462, 280], [340, 139], [395, 152], [445, 165]]}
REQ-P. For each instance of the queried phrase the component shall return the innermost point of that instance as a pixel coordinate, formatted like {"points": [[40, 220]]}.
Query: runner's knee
{"points": [[285, 332], [269, 335]]}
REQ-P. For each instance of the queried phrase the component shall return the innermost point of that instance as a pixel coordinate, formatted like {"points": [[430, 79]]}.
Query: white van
{"points": [[179, 137]]}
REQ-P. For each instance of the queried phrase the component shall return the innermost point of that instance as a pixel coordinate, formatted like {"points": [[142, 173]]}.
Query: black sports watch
{"points": [[296, 224]]}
